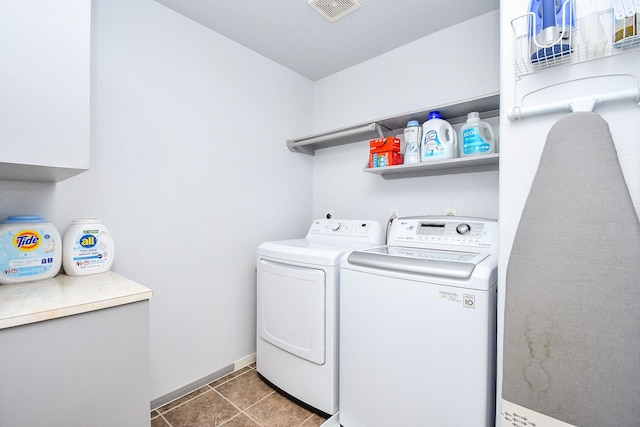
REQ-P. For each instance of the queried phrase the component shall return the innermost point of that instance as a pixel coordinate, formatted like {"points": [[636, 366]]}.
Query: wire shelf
{"points": [[585, 33]]}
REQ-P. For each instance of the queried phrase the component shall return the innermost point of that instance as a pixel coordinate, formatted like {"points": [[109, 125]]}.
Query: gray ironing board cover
{"points": [[572, 316]]}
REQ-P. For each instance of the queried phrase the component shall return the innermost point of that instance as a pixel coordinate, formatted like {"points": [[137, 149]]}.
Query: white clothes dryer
{"points": [[297, 308], [418, 326]]}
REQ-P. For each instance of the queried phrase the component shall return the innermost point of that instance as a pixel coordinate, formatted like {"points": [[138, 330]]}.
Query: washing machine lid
{"points": [[306, 251], [428, 262]]}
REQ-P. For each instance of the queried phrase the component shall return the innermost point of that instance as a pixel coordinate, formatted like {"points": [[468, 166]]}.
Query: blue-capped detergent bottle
{"points": [[439, 140], [477, 137], [87, 247], [30, 249]]}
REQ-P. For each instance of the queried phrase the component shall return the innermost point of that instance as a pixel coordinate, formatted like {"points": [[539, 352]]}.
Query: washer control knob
{"points": [[335, 226], [463, 228]]}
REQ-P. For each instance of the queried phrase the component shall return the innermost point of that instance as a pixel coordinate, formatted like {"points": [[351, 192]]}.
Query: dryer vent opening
{"points": [[333, 10]]}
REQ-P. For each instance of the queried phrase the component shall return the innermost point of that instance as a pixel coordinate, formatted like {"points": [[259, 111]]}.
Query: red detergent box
{"points": [[382, 145], [387, 158]]}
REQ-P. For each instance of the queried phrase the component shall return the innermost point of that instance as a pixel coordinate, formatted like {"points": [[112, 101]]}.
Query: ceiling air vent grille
{"points": [[334, 9]]}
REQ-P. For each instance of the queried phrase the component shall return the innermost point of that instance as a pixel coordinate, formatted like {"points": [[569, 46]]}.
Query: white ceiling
{"points": [[293, 34]]}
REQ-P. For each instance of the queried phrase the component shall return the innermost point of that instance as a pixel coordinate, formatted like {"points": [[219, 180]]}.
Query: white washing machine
{"points": [[418, 326], [297, 308]]}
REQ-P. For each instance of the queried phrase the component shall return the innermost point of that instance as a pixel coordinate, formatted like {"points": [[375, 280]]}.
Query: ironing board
{"points": [[572, 316]]}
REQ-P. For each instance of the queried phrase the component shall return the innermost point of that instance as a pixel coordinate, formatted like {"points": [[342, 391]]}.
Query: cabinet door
{"points": [[44, 82], [90, 369]]}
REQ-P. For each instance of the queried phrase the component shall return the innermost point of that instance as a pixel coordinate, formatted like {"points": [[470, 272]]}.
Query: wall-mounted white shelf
{"points": [[483, 163], [454, 113]]}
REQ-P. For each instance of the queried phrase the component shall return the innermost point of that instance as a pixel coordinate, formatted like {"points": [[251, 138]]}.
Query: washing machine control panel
{"points": [[443, 231]]}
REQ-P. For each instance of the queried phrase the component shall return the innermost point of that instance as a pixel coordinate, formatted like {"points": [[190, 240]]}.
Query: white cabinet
{"points": [[91, 369], [45, 88], [455, 113], [75, 352]]}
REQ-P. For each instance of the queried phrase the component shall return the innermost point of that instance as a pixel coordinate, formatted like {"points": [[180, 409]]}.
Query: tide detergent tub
{"points": [[30, 249]]}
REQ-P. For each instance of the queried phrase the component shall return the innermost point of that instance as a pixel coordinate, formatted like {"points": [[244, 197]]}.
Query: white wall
{"points": [[440, 69], [190, 172], [522, 141]]}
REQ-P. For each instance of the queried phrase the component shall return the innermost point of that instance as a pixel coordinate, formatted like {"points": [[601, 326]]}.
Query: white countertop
{"points": [[30, 302]]}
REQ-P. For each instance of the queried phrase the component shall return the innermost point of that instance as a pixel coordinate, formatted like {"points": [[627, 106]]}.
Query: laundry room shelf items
{"points": [[588, 31], [456, 113]]}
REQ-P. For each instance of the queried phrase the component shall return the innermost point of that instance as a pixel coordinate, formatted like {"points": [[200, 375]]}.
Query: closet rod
{"points": [[584, 103]]}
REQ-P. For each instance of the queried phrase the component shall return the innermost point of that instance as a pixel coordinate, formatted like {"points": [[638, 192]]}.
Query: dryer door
{"points": [[291, 308]]}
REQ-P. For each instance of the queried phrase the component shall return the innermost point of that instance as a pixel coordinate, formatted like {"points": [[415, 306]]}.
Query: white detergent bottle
{"points": [[412, 143], [439, 140], [477, 137]]}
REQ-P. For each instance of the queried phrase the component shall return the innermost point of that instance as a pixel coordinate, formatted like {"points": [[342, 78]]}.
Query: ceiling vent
{"points": [[334, 9]]}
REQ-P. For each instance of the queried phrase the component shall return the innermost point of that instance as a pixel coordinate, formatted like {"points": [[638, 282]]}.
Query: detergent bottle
{"points": [[30, 249], [439, 140], [412, 142], [87, 247], [477, 137]]}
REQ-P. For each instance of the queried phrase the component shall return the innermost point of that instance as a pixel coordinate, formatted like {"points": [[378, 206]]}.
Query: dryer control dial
{"points": [[335, 226], [463, 229]]}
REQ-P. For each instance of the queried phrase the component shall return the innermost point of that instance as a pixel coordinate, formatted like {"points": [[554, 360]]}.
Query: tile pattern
{"points": [[240, 399]]}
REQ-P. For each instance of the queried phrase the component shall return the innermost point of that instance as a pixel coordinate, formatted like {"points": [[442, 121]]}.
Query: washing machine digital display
{"points": [[431, 229]]}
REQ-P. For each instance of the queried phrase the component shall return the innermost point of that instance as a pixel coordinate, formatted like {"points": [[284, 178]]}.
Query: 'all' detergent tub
{"points": [[30, 249], [87, 247]]}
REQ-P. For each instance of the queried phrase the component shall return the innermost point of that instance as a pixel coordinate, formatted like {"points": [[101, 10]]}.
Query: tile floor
{"points": [[240, 399]]}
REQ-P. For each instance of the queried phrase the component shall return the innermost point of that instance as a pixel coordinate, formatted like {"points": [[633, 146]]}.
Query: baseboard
{"points": [[245, 361], [334, 421], [170, 397]]}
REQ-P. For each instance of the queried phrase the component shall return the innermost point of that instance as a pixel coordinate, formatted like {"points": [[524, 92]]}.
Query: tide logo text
{"points": [[27, 240]]}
